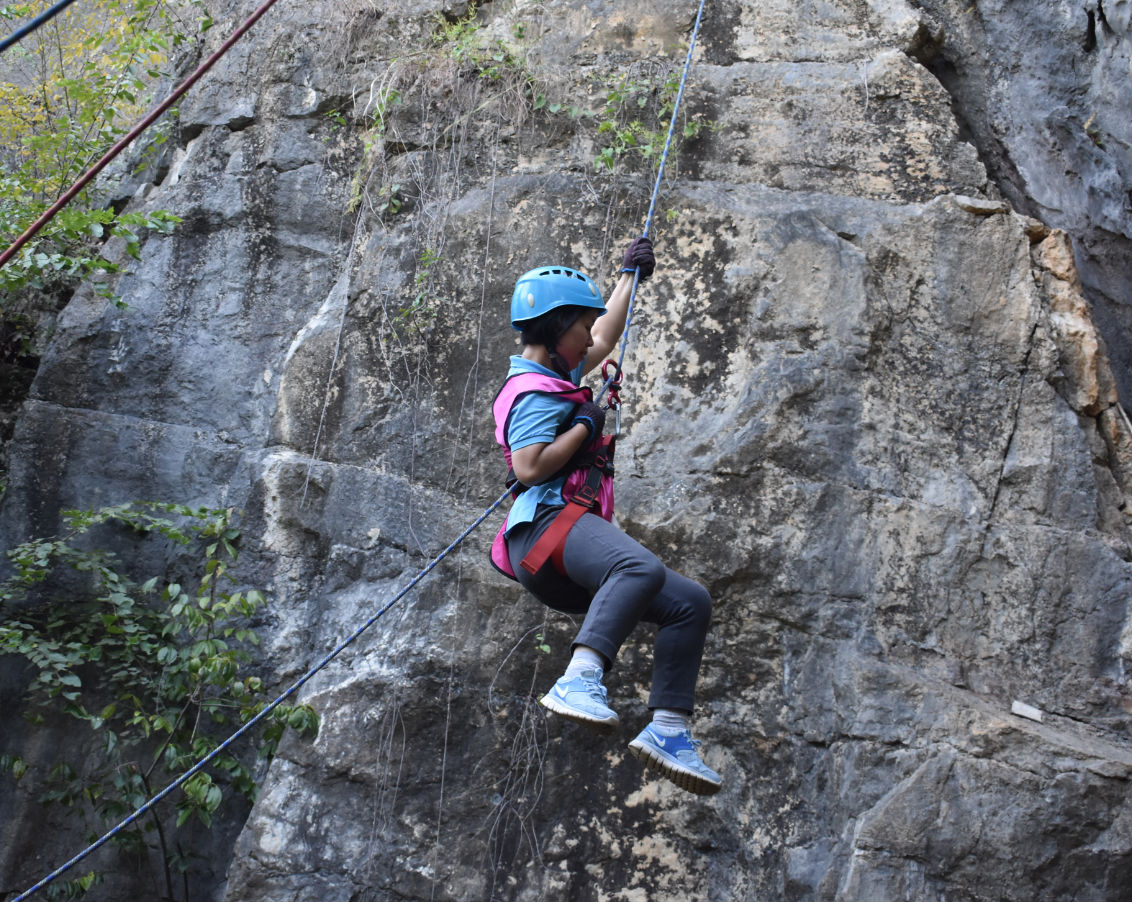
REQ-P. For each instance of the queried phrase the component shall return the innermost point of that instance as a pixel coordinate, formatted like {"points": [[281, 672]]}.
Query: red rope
{"points": [[124, 142]]}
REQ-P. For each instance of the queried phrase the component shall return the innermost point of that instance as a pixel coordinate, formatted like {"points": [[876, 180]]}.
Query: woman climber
{"points": [[558, 540]]}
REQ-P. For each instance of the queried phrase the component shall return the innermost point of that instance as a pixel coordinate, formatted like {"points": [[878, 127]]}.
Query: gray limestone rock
{"points": [[1043, 97], [869, 405]]}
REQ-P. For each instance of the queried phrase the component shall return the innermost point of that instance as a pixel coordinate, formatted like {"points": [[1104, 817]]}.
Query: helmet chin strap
{"points": [[558, 364], [556, 360]]}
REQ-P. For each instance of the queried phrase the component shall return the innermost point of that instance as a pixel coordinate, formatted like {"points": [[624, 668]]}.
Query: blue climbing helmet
{"points": [[547, 287]]}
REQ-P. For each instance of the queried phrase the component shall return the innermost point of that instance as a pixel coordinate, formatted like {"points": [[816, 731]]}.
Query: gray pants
{"points": [[616, 583]]}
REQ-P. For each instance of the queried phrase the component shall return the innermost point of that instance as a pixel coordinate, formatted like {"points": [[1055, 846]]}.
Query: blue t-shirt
{"points": [[536, 417]]}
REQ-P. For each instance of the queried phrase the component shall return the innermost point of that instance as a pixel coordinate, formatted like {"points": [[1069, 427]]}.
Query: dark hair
{"points": [[545, 330]]}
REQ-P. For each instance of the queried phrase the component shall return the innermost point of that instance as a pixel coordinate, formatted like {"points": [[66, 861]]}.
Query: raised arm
{"points": [[607, 329]]}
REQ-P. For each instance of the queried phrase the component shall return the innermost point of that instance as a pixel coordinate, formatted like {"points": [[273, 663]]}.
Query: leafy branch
{"points": [[155, 669], [68, 93]]}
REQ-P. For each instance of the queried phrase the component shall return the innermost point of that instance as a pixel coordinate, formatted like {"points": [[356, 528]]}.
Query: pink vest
{"points": [[513, 389]]}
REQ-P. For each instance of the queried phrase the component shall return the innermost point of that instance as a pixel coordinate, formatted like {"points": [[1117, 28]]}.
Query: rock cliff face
{"points": [[1041, 97], [869, 404]]}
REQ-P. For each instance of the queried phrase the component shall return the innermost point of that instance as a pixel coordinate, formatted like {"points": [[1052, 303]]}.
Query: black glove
{"points": [[591, 416], [639, 254]]}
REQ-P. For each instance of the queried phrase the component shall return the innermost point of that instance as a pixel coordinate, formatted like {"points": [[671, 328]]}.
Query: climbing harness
{"points": [[552, 543], [588, 477], [588, 484], [20, 33], [612, 384]]}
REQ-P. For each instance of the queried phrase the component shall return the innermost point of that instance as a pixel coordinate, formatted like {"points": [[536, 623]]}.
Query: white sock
{"points": [[669, 722], [584, 659]]}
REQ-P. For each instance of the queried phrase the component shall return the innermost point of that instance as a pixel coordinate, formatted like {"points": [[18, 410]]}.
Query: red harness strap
{"points": [[553, 541]]}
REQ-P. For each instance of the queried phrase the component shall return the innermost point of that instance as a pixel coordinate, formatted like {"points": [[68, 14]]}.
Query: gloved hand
{"points": [[591, 416], [639, 253]]}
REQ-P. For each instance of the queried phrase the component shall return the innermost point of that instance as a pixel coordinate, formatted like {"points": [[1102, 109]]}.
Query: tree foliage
{"points": [[155, 669], [68, 92]]}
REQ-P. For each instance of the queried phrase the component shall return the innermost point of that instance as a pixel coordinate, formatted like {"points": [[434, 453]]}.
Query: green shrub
{"points": [[157, 670]]}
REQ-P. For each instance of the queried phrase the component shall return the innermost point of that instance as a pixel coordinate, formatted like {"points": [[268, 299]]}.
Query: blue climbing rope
{"points": [[655, 194], [344, 644], [20, 33]]}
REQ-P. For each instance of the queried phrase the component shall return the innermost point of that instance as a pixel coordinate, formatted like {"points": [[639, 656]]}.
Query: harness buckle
{"points": [[585, 496]]}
